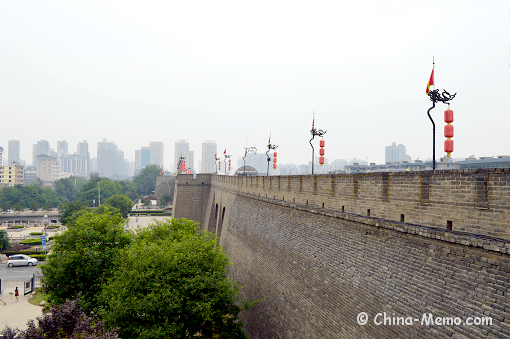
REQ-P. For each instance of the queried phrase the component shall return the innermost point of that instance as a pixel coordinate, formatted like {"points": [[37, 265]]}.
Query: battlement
{"points": [[470, 200]]}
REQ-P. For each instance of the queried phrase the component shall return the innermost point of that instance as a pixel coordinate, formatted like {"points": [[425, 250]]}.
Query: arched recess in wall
{"points": [[213, 218], [220, 225]]}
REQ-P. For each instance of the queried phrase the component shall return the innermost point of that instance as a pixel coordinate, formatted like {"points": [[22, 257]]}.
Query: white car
{"points": [[21, 260]]}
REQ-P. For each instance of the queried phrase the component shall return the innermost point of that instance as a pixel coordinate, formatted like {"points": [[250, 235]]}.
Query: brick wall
{"points": [[315, 271]]}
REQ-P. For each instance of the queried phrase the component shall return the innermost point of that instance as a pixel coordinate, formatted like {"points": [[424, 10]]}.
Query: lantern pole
{"points": [[246, 151], [315, 132], [181, 160], [216, 159], [269, 147], [435, 96], [225, 162]]}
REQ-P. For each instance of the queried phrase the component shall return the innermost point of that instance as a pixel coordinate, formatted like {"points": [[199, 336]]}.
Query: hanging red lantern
{"points": [[322, 143], [321, 152], [274, 165], [274, 155], [448, 146], [448, 131], [448, 116], [321, 161], [274, 160], [219, 165]]}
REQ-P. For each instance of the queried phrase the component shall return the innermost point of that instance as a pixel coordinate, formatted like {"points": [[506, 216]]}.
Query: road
{"points": [[18, 273]]}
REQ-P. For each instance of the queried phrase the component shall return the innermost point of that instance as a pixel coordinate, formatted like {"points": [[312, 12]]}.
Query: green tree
{"points": [[129, 189], [34, 206], [18, 207], [90, 191], [146, 180], [165, 199], [66, 211], [66, 189], [171, 283], [121, 202], [85, 256], [4, 240]]}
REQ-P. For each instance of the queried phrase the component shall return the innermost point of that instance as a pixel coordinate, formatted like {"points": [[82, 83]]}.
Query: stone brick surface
{"points": [[318, 250]]}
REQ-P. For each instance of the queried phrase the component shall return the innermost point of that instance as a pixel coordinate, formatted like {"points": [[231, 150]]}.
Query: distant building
{"points": [[209, 149], [30, 175], [394, 154], [75, 164], [1, 155], [48, 169], [83, 150], [181, 149], [142, 158], [14, 152], [62, 148], [107, 159], [11, 175], [191, 161], [502, 161], [157, 155], [40, 148]]}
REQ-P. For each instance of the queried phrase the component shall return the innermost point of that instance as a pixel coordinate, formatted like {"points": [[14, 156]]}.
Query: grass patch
{"points": [[38, 296]]}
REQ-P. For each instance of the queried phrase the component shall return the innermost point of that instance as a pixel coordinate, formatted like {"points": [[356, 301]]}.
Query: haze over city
{"points": [[235, 72]]}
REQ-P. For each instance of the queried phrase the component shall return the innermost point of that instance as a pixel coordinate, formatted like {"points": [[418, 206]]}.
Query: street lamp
{"points": [[246, 151], [45, 222], [315, 132]]}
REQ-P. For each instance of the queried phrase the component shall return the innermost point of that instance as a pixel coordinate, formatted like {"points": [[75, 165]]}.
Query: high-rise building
{"points": [[83, 150], [41, 148], [156, 149], [209, 149], [14, 152], [106, 159], [1, 156], [74, 164], [62, 148], [394, 153], [142, 158], [181, 149], [191, 161], [30, 175]]}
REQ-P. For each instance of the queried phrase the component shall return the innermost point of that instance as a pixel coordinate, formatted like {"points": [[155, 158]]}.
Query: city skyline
{"points": [[181, 77]]}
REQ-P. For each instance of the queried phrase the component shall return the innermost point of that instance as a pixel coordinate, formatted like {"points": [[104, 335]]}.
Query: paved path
{"points": [[16, 314]]}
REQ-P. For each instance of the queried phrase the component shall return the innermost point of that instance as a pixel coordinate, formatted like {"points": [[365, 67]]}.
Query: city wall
{"points": [[318, 250]]}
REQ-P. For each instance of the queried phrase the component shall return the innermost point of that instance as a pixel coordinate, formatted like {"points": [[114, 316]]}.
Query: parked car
{"points": [[21, 260]]}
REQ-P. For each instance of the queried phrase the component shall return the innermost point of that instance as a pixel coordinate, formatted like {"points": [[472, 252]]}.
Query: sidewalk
{"points": [[16, 314]]}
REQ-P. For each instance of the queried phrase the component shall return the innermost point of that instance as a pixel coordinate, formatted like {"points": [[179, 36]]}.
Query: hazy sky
{"points": [[134, 72]]}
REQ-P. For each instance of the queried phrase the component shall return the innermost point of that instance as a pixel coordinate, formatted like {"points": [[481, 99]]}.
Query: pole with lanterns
{"points": [[269, 148], [444, 97], [227, 157], [320, 133], [246, 151], [216, 159]]}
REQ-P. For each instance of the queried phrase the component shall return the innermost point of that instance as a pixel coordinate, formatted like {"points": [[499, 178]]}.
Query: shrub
{"points": [[40, 257], [31, 242], [36, 233], [15, 227]]}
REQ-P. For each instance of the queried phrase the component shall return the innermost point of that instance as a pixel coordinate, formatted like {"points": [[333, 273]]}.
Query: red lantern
{"points": [[448, 145], [274, 160], [219, 165], [448, 116], [448, 131], [321, 152], [322, 143], [321, 161], [274, 155], [274, 165]]}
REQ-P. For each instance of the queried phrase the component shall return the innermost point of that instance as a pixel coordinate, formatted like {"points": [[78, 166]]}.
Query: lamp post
{"points": [[315, 132], [45, 222], [180, 164], [227, 156], [435, 96], [99, 193], [246, 151], [216, 159], [269, 148]]}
